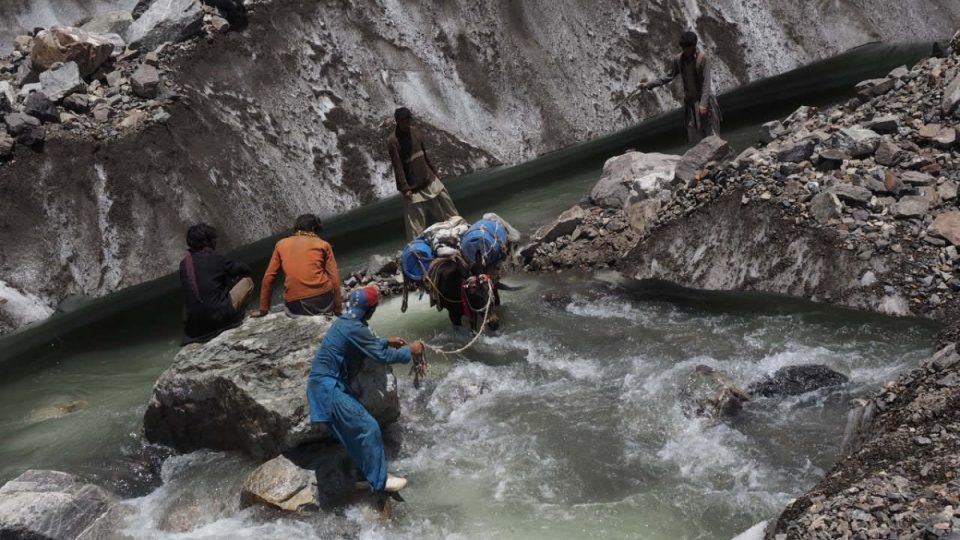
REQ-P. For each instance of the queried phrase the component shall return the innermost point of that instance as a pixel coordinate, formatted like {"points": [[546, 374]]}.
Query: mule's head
{"points": [[480, 299]]}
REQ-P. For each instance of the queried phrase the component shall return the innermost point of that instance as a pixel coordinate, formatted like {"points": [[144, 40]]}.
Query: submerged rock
{"points": [[711, 394], [50, 505], [796, 380], [246, 390]]}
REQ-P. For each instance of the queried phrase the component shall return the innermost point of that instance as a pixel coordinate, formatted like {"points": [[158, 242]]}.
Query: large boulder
{"points": [[636, 175], [66, 44], [796, 380], [50, 505], [166, 21], [695, 160], [711, 394], [61, 81], [246, 390]]}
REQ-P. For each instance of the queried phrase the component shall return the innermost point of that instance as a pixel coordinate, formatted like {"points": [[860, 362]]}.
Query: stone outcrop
{"points": [[50, 505], [246, 390]]}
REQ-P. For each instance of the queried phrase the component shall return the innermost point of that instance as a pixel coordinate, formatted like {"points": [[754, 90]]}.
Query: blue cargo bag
{"points": [[416, 259], [485, 242]]}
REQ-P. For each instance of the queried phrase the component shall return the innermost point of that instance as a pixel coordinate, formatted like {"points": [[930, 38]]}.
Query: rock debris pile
{"points": [[104, 76], [881, 172], [901, 478]]}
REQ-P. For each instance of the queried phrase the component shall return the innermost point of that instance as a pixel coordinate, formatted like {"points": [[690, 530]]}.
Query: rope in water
{"points": [[472, 342]]}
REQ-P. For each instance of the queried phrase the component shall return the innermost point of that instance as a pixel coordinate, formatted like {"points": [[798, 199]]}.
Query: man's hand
{"points": [[260, 313], [408, 195], [704, 110], [396, 342], [416, 348]]}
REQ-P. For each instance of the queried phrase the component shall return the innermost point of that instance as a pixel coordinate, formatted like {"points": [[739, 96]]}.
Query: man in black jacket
{"points": [[417, 178], [215, 289], [700, 109]]}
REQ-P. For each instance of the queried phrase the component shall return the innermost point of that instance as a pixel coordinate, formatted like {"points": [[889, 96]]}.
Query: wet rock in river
{"points": [[711, 394], [246, 390], [50, 505], [796, 380], [281, 484]]}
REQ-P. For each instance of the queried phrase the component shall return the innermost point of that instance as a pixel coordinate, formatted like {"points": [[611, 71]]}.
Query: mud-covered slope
{"points": [[288, 114]]}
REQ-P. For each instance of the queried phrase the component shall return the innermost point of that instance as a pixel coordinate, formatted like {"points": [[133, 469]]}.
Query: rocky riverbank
{"points": [[855, 205], [284, 113]]}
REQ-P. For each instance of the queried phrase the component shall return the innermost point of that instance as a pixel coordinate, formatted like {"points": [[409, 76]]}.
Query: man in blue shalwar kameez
{"points": [[350, 340]]}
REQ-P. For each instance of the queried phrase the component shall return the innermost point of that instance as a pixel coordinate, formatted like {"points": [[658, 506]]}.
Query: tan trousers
{"points": [[440, 207], [240, 293]]}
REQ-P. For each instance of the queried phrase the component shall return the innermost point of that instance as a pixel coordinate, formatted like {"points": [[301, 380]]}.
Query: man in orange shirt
{"points": [[311, 279]]}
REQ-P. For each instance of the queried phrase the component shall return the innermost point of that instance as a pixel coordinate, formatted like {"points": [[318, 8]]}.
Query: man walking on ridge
{"points": [[700, 110], [417, 178]]}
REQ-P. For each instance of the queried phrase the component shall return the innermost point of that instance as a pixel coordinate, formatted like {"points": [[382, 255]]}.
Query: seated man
{"points": [[349, 340], [215, 289], [312, 283]]}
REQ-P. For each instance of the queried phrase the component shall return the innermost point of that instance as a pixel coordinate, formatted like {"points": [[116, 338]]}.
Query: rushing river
{"points": [[563, 425]]}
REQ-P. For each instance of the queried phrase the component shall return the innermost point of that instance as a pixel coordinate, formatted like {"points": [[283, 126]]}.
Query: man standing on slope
{"points": [[417, 178], [700, 110]]}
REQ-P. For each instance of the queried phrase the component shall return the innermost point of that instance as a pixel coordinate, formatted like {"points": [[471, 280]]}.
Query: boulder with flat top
{"points": [[246, 390]]}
